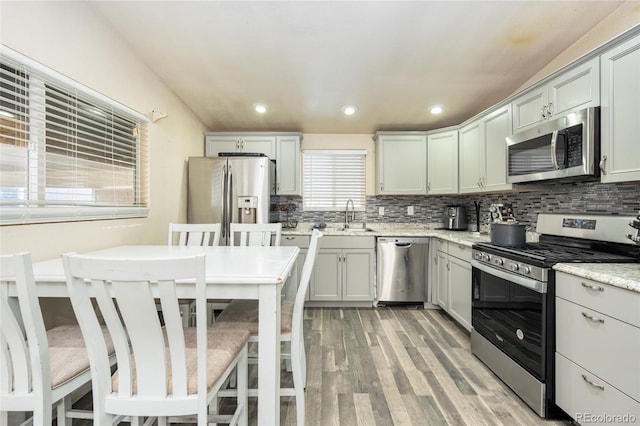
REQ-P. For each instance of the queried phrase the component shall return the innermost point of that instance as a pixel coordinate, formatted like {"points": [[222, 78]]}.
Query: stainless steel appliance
{"points": [[402, 270], [566, 146], [230, 189], [513, 298], [455, 218]]}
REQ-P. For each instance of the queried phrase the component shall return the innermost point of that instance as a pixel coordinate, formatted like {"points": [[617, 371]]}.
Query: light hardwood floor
{"points": [[396, 366]]}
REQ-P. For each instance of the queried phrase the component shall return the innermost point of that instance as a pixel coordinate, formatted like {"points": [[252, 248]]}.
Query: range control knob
{"points": [[526, 270], [499, 262], [514, 267], [478, 256]]}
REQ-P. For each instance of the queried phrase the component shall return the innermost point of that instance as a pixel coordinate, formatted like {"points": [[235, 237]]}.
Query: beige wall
{"points": [[69, 38], [346, 141], [622, 19]]}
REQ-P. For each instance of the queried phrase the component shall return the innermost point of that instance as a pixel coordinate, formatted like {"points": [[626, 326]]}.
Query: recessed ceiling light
{"points": [[260, 108], [436, 109], [349, 109]]}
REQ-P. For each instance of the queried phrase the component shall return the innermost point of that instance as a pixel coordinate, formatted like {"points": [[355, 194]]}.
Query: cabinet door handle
{"points": [[602, 161], [592, 318], [595, 385], [592, 287], [544, 111], [448, 266], [289, 238], [381, 186], [549, 109], [435, 260]]}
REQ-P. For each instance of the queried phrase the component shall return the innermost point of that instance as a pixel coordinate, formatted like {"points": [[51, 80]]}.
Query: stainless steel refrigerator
{"points": [[230, 189]]}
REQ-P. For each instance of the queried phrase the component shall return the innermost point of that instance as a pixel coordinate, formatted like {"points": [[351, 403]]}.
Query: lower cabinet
{"points": [[344, 270], [291, 285], [452, 275], [597, 347]]}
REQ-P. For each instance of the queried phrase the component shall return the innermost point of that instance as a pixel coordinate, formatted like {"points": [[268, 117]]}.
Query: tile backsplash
{"points": [[576, 196]]}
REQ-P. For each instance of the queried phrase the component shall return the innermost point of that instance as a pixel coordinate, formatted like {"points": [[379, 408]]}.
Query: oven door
{"points": [[510, 311]]}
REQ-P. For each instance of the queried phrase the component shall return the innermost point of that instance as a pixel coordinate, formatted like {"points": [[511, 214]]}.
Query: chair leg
{"points": [[298, 380], [287, 361], [61, 411], [242, 387]]}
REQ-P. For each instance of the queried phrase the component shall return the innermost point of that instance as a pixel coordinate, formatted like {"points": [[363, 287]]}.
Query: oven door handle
{"points": [[537, 286]]}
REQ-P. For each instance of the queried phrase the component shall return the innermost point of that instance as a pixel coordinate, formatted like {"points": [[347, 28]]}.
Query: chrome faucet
{"points": [[346, 213]]}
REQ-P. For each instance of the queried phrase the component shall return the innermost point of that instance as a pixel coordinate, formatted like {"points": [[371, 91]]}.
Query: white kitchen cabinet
{"points": [[471, 157], [597, 346], [442, 163], [620, 117], [483, 153], [288, 165], [453, 280], [578, 87], [401, 163], [231, 142], [344, 270]]}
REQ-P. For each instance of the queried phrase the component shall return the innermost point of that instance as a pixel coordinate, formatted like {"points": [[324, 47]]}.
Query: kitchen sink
{"points": [[350, 230]]}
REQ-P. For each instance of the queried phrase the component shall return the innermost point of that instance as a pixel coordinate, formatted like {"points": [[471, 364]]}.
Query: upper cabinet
{"points": [[288, 165], [620, 113], [401, 163], [283, 147], [482, 145], [442, 163], [226, 142], [577, 88]]}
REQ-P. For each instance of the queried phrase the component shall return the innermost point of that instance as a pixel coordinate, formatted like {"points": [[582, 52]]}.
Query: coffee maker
{"points": [[455, 218]]}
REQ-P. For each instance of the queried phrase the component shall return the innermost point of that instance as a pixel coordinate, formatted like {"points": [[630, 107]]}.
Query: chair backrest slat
{"points": [[252, 234], [194, 234], [305, 278]]}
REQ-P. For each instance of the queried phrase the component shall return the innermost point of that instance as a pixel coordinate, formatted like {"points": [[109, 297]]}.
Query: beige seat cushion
{"points": [[67, 353], [244, 314], [224, 346]]}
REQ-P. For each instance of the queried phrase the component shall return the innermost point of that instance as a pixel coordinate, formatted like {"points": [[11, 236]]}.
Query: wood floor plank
{"points": [[364, 411], [392, 395]]}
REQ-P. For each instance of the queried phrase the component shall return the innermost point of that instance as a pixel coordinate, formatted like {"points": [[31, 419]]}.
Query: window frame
{"points": [[359, 199], [38, 206]]}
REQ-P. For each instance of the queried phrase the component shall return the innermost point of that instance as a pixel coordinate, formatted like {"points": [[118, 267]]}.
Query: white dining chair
{"points": [[195, 234], [255, 234], [166, 372], [243, 314], [39, 369]]}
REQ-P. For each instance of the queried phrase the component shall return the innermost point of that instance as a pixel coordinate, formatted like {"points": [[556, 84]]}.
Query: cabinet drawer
{"points": [[334, 241], [301, 241], [442, 245], [616, 302], [588, 403], [603, 345], [460, 251]]}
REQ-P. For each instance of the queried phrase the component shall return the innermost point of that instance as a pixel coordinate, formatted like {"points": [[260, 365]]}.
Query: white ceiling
{"points": [[306, 59]]}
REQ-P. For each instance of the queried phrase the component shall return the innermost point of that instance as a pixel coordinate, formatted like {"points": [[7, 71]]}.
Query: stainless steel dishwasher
{"points": [[402, 274]]}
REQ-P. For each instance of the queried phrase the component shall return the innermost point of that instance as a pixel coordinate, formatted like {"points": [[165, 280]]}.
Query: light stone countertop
{"points": [[625, 276], [399, 230], [622, 275]]}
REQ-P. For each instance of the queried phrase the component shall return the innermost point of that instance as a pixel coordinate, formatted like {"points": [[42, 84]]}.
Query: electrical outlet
{"points": [[381, 211], [410, 210]]}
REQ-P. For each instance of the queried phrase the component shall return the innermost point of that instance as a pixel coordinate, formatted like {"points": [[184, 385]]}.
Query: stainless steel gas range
{"points": [[513, 297]]}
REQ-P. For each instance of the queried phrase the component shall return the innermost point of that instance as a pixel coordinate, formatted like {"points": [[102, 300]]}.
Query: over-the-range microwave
{"points": [[565, 146]]}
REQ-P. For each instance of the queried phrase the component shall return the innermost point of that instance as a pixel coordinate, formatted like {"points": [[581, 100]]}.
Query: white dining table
{"points": [[231, 273]]}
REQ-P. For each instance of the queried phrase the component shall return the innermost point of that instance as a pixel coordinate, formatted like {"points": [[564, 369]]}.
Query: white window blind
{"points": [[331, 177], [66, 152]]}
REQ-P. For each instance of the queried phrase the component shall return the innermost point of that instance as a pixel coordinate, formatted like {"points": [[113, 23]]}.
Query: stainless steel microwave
{"points": [[562, 147]]}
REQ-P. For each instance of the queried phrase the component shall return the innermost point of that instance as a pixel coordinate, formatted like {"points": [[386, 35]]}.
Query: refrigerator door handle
{"points": [[229, 203], [223, 202]]}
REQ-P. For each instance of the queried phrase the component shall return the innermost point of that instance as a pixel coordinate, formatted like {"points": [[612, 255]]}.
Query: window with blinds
{"points": [[65, 152], [331, 177]]}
